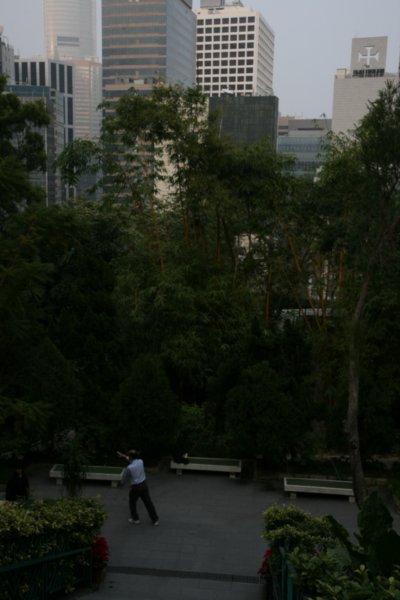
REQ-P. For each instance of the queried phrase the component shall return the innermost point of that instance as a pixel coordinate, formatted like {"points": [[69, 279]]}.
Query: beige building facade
{"points": [[356, 87]]}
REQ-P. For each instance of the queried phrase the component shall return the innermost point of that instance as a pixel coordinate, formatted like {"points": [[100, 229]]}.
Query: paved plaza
{"points": [[208, 545]]}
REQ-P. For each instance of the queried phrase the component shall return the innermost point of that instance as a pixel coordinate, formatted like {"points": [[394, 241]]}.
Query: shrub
{"points": [[42, 527]]}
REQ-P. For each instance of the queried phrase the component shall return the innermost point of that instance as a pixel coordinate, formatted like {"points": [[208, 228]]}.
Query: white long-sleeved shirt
{"points": [[134, 473]]}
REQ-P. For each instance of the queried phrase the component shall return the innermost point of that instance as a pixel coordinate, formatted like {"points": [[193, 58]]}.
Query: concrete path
{"points": [[208, 545]]}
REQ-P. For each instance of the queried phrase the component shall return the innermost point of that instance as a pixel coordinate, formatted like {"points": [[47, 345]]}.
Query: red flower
{"points": [[100, 551], [265, 566]]}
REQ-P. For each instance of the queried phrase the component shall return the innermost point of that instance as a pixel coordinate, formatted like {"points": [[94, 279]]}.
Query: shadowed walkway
{"points": [[208, 545]]}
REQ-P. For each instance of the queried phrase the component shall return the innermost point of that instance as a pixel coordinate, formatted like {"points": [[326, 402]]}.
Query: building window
{"points": [[234, 20], [234, 29], [53, 75], [42, 73], [200, 30], [33, 74], [242, 20], [70, 112], [69, 80], [24, 72]]}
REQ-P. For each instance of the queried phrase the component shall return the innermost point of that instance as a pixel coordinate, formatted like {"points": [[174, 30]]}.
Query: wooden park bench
{"points": [[295, 485], [196, 463], [96, 473]]}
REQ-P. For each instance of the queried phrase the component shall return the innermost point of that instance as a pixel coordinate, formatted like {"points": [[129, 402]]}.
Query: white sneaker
{"points": [[156, 524], [134, 522]]}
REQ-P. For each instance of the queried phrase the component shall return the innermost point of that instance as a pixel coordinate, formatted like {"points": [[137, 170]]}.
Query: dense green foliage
{"points": [[34, 529], [162, 317], [326, 564]]}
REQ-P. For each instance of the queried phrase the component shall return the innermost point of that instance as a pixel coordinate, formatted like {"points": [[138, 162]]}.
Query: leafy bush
{"points": [[326, 565], [38, 528], [289, 527]]}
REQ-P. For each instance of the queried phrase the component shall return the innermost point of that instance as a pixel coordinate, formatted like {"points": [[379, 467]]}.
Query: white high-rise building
{"points": [[355, 88], [70, 33], [234, 50]]}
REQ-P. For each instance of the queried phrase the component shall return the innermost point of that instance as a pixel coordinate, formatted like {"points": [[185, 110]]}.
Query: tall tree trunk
{"points": [[352, 429]]}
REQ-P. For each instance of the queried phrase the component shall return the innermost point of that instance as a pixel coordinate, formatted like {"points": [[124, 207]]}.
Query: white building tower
{"points": [[235, 50]]}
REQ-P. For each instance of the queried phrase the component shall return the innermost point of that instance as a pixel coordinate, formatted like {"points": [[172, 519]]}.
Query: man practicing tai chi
{"points": [[134, 474]]}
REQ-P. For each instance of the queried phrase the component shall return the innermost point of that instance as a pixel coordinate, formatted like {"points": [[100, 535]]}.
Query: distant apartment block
{"points": [[354, 88], [146, 42], [305, 140], [234, 50]]}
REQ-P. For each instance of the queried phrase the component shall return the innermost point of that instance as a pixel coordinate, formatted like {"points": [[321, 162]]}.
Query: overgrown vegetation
{"points": [[326, 563], [164, 314]]}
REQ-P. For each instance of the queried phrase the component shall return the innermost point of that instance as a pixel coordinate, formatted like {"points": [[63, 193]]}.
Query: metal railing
{"points": [[283, 586], [39, 579]]}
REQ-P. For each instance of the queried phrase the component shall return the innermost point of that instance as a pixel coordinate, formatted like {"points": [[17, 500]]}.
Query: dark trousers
{"points": [[141, 490]]}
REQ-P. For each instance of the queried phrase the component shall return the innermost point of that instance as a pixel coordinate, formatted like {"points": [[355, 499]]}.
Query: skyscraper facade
{"points": [[355, 88], [52, 82], [70, 28], [147, 41], [70, 33], [234, 50]]}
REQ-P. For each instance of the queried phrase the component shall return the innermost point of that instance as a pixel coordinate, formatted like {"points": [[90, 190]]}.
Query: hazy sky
{"points": [[312, 39]]}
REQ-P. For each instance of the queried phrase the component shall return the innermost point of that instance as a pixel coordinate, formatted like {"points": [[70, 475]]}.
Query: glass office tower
{"points": [[70, 28], [70, 33], [146, 41]]}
